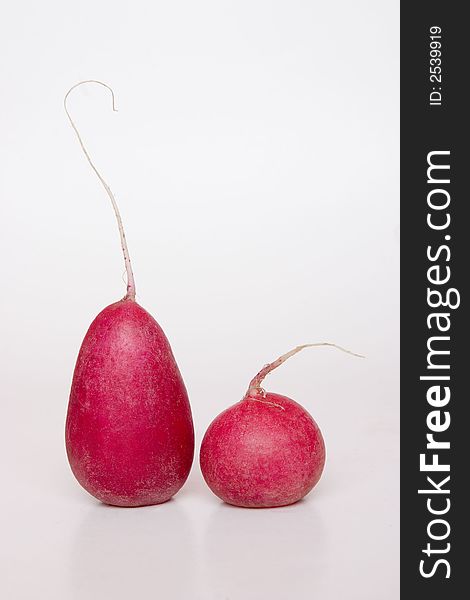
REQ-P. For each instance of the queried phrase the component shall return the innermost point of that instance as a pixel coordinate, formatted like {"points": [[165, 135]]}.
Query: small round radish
{"points": [[129, 431], [266, 450]]}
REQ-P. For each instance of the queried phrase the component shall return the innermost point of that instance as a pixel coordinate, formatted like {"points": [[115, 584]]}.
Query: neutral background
{"points": [[255, 160]]}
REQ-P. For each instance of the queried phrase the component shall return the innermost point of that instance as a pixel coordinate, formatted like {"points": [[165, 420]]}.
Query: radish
{"points": [[129, 431], [266, 450]]}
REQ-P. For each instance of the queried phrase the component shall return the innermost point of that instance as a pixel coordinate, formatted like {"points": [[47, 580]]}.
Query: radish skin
{"points": [[129, 431]]}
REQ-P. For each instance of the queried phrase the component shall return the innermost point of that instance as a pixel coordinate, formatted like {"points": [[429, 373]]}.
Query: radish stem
{"points": [[127, 261], [255, 388]]}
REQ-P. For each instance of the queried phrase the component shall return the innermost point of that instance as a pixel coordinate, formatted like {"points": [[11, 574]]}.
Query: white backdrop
{"points": [[255, 160]]}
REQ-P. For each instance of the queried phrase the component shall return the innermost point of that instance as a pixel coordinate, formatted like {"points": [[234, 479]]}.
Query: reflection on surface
{"points": [[121, 553], [265, 553]]}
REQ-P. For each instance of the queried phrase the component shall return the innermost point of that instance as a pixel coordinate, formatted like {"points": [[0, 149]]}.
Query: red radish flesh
{"points": [[129, 431], [266, 450]]}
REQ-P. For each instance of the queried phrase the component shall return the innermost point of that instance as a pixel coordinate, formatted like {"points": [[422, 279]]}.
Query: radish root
{"points": [[255, 389], [127, 261]]}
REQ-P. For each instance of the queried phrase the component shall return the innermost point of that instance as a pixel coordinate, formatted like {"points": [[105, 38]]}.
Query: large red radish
{"points": [[266, 450], [129, 431]]}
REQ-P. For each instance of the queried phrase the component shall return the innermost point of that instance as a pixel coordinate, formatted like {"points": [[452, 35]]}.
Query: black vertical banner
{"points": [[435, 355]]}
